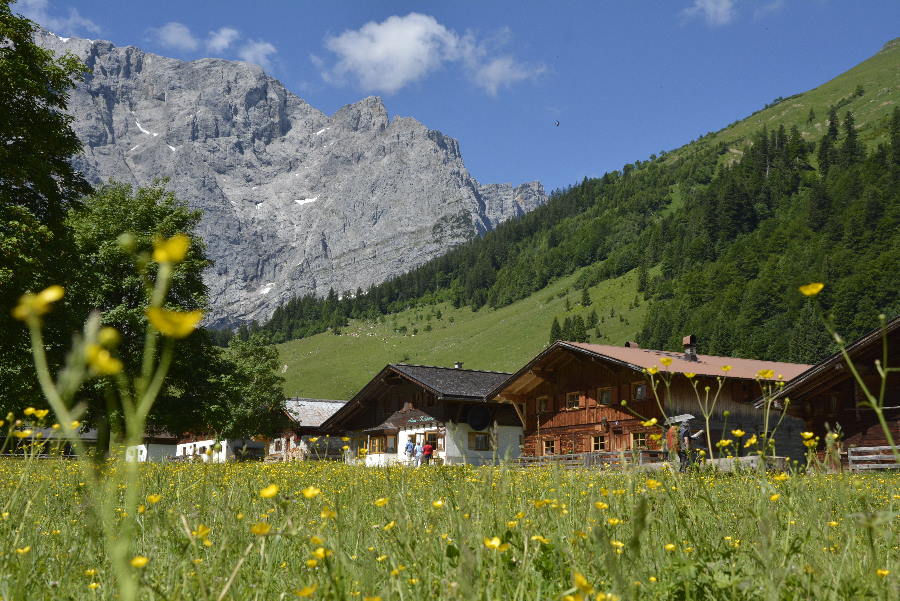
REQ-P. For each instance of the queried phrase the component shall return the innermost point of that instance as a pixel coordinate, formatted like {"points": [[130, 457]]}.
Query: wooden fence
{"points": [[871, 458], [599, 460]]}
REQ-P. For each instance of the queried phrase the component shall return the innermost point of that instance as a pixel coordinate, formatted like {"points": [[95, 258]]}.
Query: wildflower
{"points": [[667, 361], [41, 413], [806, 435], [269, 491], [581, 583], [494, 544], [75, 424], [833, 524], [689, 375], [617, 544], [652, 579], [171, 250], [314, 439], [311, 563], [613, 521], [601, 505], [139, 561], [781, 477], [321, 553], [306, 591], [669, 547], [201, 532], [93, 586], [345, 438], [260, 528], [101, 361], [438, 504], [311, 491], [540, 539], [750, 441], [24, 550], [774, 497], [380, 502], [175, 324], [22, 433], [738, 433], [653, 370], [372, 598], [345, 448], [653, 484], [726, 368], [328, 513], [90, 572], [34, 305], [153, 499], [882, 572], [811, 289], [765, 374], [650, 422], [389, 526], [724, 443]]}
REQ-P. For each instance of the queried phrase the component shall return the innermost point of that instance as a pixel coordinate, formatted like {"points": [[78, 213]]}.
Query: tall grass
{"points": [[669, 536]]}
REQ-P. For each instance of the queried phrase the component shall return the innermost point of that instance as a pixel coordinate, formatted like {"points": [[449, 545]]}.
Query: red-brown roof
{"points": [[706, 365]]}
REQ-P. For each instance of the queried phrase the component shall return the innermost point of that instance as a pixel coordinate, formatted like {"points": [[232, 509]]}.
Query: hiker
{"points": [[417, 450], [427, 452], [410, 450]]}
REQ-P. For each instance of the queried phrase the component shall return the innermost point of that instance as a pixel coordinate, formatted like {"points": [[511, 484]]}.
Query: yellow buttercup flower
{"points": [[774, 497], [307, 590], [811, 289], [269, 491], [439, 503], [90, 572], [311, 491], [101, 361], [174, 324], [882, 572], [669, 547], [653, 370], [321, 553], [765, 374], [41, 413], [23, 550], [22, 433], [726, 368], [581, 583], [667, 361], [807, 435], [650, 422], [93, 586], [738, 433], [35, 305], [380, 502], [540, 539], [153, 499], [108, 337], [689, 374], [750, 441], [260, 528], [172, 250], [139, 561], [494, 544], [601, 505], [327, 513]]}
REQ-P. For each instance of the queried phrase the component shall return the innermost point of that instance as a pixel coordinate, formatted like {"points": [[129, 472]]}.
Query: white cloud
{"points": [[503, 72], [38, 11], [221, 39], [715, 12], [767, 9], [176, 35], [257, 51], [387, 56]]}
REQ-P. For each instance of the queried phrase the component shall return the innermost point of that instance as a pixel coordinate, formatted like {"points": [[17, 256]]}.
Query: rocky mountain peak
{"points": [[294, 201]]}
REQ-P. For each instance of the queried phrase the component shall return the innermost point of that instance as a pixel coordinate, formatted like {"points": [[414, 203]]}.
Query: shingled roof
{"points": [[451, 382], [311, 413]]}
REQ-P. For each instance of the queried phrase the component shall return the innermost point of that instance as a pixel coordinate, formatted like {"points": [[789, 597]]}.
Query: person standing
{"points": [[427, 452], [684, 444], [418, 453], [410, 450]]}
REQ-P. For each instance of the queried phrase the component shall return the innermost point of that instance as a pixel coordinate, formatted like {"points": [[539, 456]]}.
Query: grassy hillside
{"points": [[330, 366], [878, 78]]}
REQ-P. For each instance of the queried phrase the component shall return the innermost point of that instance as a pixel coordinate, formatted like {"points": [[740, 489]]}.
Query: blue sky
{"points": [[624, 79]]}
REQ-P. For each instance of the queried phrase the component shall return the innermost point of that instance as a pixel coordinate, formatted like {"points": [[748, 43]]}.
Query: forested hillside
{"points": [[721, 232]]}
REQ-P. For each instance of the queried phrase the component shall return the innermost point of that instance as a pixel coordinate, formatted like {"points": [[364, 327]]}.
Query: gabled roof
{"points": [[311, 413], [452, 383], [446, 383], [640, 359], [828, 367]]}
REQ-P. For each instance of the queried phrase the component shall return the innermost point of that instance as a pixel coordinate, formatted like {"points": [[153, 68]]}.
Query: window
{"points": [[604, 396], [479, 441], [435, 440], [549, 447], [376, 445], [598, 443], [639, 440], [639, 391], [391, 444], [277, 445], [573, 400], [543, 404]]}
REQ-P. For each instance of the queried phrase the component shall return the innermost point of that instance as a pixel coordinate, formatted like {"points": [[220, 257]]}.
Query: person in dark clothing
{"points": [[427, 452]]}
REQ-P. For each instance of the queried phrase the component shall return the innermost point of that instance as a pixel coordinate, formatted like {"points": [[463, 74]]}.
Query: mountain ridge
{"points": [[294, 201]]}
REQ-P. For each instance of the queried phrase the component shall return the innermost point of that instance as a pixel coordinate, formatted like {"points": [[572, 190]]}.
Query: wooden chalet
{"points": [[569, 397], [827, 394], [304, 438], [446, 407]]}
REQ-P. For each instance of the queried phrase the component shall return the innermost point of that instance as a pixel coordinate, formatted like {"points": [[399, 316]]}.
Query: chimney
{"points": [[690, 347], [630, 344], [458, 365]]}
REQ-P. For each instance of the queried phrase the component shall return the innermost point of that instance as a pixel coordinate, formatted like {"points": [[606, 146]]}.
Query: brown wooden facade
{"points": [[571, 402]]}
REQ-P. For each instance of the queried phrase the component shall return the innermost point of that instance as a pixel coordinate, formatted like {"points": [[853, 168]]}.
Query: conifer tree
{"points": [[851, 151], [555, 331], [585, 298]]}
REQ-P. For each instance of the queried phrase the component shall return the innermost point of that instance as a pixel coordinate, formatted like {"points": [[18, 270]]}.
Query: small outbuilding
{"points": [[304, 438]]}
